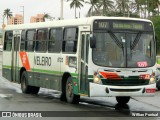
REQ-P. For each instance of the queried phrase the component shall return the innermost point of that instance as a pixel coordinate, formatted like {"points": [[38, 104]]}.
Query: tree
{"points": [[156, 22], [139, 6], [122, 6], [153, 7], [76, 4], [107, 6], [93, 8], [7, 13], [46, 16], [148, 8]]}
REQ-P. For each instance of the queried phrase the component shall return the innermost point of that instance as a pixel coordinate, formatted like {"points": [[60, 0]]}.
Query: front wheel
{"points": [[70, 96], [158, 84], [123, 99]]}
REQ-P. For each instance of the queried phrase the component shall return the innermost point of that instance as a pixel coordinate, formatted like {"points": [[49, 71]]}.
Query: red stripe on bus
{"points": [[110, 75], [24, 60]]}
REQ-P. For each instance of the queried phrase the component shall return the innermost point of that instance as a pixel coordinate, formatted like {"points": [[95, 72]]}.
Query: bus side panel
{"points": [[29, 67], [73, 71], [6, 65], [46, 71]]}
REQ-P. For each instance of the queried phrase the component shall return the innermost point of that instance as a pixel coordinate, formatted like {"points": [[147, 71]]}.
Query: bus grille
{"points": [[124, 82]]}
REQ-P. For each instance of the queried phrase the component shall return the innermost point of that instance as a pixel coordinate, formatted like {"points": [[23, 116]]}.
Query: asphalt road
{"points": [[12, 99]]}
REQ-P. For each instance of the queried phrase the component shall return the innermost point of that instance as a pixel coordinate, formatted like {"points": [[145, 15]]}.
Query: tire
{"points": [[24, 83], [34, 90], [123, 99], [25, 87], [70, 96], [63, 97], [158, 84]]}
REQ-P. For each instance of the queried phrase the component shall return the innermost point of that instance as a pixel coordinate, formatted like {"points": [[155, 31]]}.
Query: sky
{"points": [[34, 7]]}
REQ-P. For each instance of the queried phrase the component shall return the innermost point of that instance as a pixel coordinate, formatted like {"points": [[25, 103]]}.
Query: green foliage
{"points": [[76, 4], [156, 22], [128, 8], [46, 16], [7, 13]]}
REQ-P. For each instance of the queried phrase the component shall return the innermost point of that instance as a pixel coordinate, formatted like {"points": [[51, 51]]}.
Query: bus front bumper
{"points": [[98, 90]]}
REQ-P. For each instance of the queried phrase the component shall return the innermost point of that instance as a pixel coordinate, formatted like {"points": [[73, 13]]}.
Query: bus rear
{"points": [[122, 59]]}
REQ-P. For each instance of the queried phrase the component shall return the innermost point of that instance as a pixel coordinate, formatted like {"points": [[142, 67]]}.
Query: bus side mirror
{"points": [[92, 41]]}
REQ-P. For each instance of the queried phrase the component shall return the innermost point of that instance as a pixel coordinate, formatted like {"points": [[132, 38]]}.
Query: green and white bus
{"points": [[94, 57]]}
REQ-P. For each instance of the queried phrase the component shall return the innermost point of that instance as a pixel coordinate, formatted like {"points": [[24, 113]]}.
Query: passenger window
{"points": [[55, 38], [30, 42], [70, 40], [41, 42], [23, 39], [8, 40]]}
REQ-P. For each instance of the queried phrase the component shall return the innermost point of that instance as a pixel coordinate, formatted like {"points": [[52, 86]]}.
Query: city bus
{"points": [[94, 57]]}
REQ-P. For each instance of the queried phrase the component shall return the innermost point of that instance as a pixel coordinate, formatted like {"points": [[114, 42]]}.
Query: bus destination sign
{"points": [[101, 25], [128, 26]]}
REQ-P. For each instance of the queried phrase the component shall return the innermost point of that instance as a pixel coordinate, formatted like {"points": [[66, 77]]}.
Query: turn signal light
{"points": [[145, 76]]}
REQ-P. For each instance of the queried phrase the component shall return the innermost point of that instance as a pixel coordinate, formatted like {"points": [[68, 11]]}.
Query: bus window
{"points": [[23, 39], [8, 40], [55, 37], [31, 36], [70, 40], [41, 43]]}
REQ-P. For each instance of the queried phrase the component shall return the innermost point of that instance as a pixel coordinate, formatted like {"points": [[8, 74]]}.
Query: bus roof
{"points": [[67, 22]]}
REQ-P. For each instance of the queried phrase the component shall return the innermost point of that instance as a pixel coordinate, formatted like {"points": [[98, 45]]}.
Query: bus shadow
{"points": [[123, 109]]}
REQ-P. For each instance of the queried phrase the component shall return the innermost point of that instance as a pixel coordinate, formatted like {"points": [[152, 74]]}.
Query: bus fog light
{"points": [[152, 80]]}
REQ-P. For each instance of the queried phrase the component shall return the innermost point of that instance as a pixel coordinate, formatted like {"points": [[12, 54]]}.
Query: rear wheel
{"points": [[34, 90], [70, 96], [27, 88], [24, 83], [123, 99]]}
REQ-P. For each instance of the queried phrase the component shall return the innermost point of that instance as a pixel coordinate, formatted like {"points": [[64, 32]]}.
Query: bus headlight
{"points": [[97, 79], [152, 80]]}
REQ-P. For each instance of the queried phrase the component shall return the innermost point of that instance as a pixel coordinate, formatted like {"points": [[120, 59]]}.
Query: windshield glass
{"points": [[124, 49]]}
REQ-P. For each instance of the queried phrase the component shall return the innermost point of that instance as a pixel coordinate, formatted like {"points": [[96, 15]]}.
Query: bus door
{"points": [[15, 56], [83, 76]]}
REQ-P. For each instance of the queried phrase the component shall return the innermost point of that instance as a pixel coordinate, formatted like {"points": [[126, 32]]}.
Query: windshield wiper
{"points": [[120, 44], [136, 40]]}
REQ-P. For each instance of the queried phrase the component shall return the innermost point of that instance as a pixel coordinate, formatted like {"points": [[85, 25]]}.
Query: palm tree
{"points": [[153, 6], [7, 13], [93, 8], [138, 6], [46, 16], [107, 5], [76, 4], [122, 5], [143, 7]]}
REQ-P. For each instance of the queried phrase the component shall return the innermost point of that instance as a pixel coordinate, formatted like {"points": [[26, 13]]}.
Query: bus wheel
{"points": [[63, 97], [24, 83], [34, 90], [70, 96], [123, 99]]}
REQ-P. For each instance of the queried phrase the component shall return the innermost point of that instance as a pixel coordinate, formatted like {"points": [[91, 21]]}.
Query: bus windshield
{"points": [[120, 48]]}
